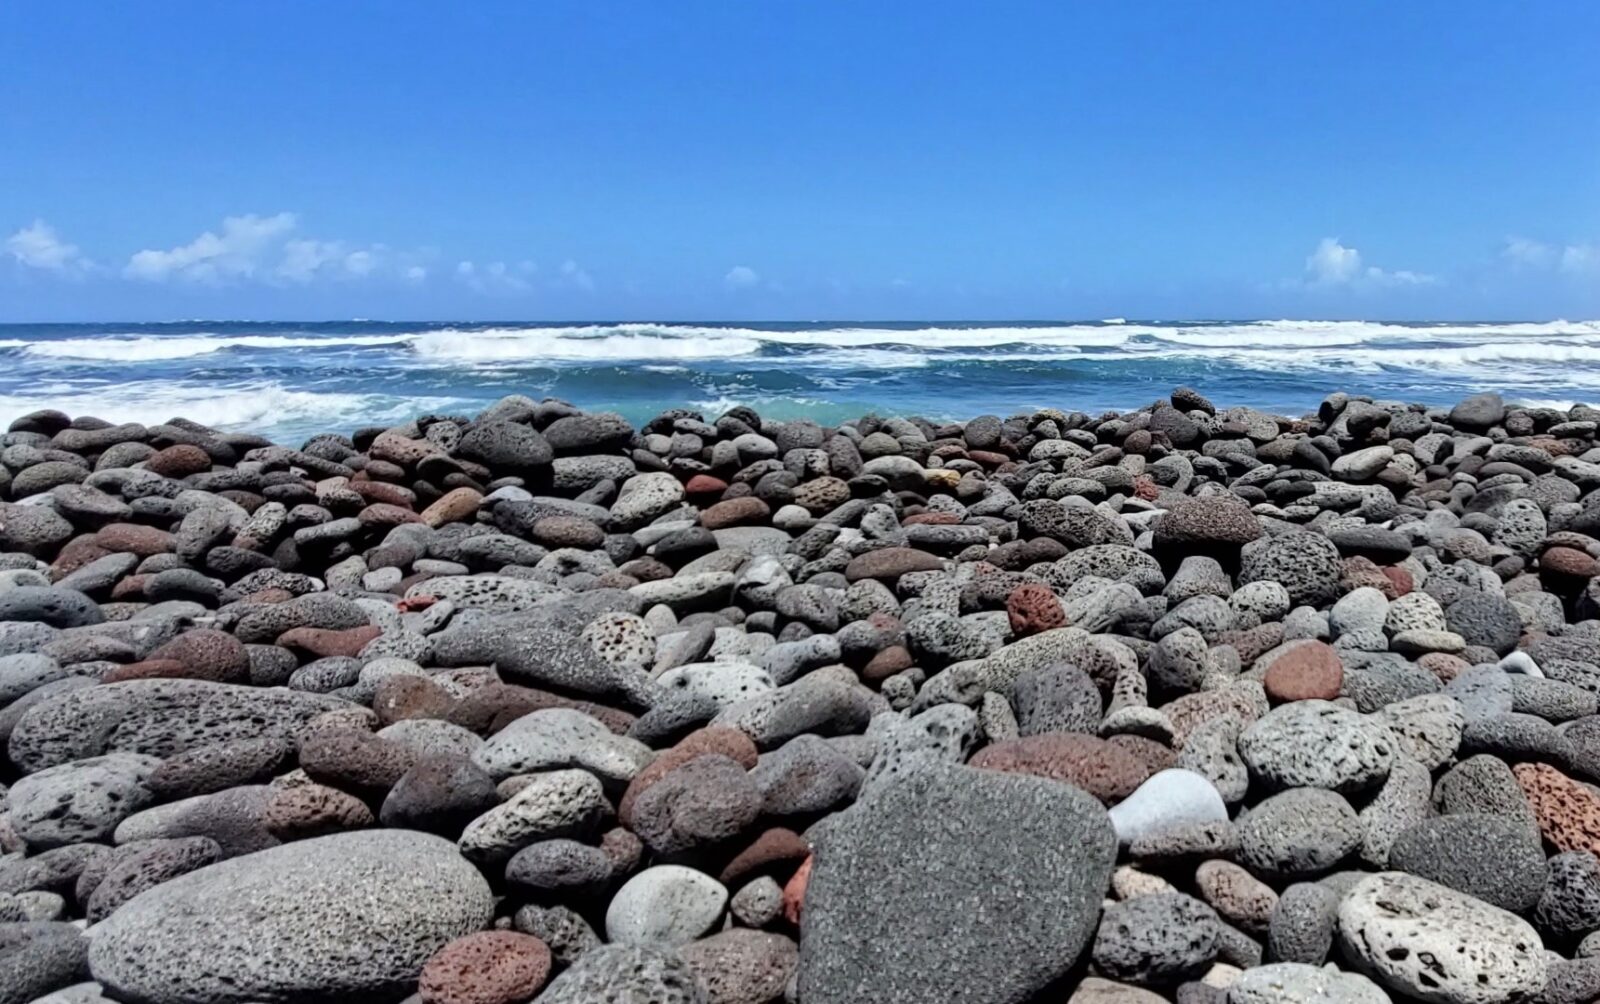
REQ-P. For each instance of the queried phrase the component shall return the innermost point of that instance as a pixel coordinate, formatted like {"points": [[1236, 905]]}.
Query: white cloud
{"points": [[236, 253], [572, 274], [741, 277], [416, 273], [39, 246], [497, 276], [1570, 259], [1332, 264]]}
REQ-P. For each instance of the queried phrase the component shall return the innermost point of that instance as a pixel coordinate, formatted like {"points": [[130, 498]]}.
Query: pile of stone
{"points": [[1213, 706]]}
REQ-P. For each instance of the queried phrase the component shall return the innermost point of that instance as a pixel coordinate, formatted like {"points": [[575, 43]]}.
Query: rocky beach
{"points": [[1187, 703]]}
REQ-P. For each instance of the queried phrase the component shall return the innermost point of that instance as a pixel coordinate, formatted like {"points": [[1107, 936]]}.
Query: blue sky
{"points": [[798, 160]]}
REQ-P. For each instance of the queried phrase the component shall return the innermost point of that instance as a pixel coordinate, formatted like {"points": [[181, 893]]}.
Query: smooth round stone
{"points": [[324, 920], [1317, 744], [1300, 832], [1170, 798], [1298, 983], [724, 683], [667, 905], [1432, 943], [1302, 924]]}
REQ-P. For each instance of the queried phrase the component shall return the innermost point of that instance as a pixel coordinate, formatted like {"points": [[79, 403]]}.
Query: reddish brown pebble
{"points": [[1401, 580], [886, 663], [455, 506], [179, 461], [1568, 813], [1307, 672], [1108, 772], [705, 484], [1443, 665], [730, 743], [132, 538], [1034, 608], [322, 642], [313, 810], [775, 852], [489, 967], [1568, 563], [890, 563], [208, 654], [735, 512], [382, 514]]}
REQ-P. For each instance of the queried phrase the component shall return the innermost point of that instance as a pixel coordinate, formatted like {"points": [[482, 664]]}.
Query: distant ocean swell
{"points": [[294, 379]]}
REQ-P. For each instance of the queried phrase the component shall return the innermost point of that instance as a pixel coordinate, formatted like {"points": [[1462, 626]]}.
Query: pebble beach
{"points": [[1189, 702]]}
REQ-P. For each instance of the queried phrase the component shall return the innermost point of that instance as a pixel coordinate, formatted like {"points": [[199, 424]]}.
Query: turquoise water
{"points": [[293, 379]]}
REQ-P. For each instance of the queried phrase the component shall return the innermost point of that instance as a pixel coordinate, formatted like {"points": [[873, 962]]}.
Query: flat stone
{"points": [[667, 905]]}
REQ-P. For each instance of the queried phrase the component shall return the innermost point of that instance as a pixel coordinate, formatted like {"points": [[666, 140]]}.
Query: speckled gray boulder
{"points": [[1571, 900], [1317, 744], [1402, 801], [541, 655], [51, 959], [1011, 874], [1491, 858], [80, 801], [626, 974], [158, 718], [1056, 698], [1429, 942], [1302, 924], [1428, 727], [1298, 833], [1306, 564], [1157, 939], [350, 916], [561, 803]]}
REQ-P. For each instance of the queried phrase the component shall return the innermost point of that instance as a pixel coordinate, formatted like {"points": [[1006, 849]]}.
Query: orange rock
{"points": [[794, 893], [1568, 813], [455, 506]]}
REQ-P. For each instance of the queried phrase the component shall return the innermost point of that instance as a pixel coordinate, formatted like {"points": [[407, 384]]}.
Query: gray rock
{"points": [[62, 608], [80, 801], [1317, 744], [1302, 924], [49, 960], [1167, 800], [1012, 872], [1298, 983], [562, 803], [1307, 564], [626, 974], [1492, 858], [1058, 698], [1298, 833], [1571, 900], [667, 905], [1157, 939], [329, 919], [555, 738], [157, 718]]}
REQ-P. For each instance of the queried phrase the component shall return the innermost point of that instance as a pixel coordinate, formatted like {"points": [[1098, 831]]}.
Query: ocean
{"points": [[290, 380]]}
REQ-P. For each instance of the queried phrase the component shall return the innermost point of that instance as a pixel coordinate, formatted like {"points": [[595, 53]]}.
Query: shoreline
{"points": [[1178, 703]]}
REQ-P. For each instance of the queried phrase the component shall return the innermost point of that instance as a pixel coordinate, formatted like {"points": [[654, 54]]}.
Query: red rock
{"points": [[735, 512], [886, 663], [624, 849], [774, 852], [931, 519], [1568, 563], [382, 491], [1400, 579], [398, 698], [1146, 488], [411, 604], [1033, 608], [384, 514], [130, 588], [890, 563], [728, 742], [489, 967], [1106, 771], [179, 461], [794, 893], [1254, 642], [455, 506], [147, 669], [1307, 672], [208, 654], [1443, 665], [491, 708], [1359, 571], [134, 538], [272, 594], [76, 553], [1567, 812], [705, 484], [988, 458], [313, 810], [1152, 754], [323, 642]]}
